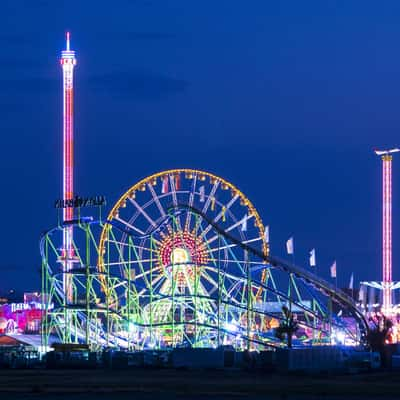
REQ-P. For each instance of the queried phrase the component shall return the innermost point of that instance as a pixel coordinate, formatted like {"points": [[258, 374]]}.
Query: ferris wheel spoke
{"points": [[207, 277], [225, 277], [130, 226], [235, 261], [175, 201], [210, 196], [124, 263], [155, 271], [237, 295], [229, 246], [129, 245], [142, 211], [221, 213], [233, 278], [150, 284], [118, 284], [232, 255], [235, 225], [157, 283], [156, 200], [201, 290], [191, 200], [233, 288]]}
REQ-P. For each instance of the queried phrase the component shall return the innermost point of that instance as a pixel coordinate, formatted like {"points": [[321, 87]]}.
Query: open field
{"points": [[210, 384]]}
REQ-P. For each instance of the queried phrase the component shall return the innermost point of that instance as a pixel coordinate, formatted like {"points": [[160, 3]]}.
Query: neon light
{"points": [[34, 305], [179, 256], [387, 231], [68, 61]]}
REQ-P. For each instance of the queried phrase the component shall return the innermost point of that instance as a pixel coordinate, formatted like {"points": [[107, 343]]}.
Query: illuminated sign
{"points": [[77, 202], [30, 306]]}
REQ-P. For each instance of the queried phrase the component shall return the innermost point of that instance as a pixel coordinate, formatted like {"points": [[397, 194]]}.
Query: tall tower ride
{"points": [[387, 281], [68, 62]]}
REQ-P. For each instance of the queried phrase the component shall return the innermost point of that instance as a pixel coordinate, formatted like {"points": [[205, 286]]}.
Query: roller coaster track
{"points": [[310, 279]]}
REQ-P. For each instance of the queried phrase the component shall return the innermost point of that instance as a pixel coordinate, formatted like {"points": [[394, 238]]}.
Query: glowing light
{"points": [[340, 336], [175, 244], [68, 61], [387, 306], [179, 256], [231, 327], [387, 231]]}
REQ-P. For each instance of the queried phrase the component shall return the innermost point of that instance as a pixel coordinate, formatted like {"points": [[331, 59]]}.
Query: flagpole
{"points": [[290, 286], [313, 264], [290, 282], [333, 274], [290, 251]]}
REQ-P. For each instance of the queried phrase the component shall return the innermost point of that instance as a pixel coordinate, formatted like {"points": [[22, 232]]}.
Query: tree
{"points": [[378, 335], [287, 326]]}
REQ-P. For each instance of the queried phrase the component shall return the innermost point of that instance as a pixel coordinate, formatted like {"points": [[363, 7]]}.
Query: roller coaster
{"points": [[183, 260]]}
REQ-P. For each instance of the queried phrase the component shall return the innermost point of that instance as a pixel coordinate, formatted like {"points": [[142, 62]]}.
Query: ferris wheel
{"points": [[174, 280]]}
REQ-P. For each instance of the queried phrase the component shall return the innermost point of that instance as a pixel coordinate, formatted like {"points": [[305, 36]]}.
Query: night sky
{"points": [[286, 99]]}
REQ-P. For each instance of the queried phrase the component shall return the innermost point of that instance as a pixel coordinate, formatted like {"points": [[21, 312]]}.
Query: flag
{"points": [[351, 284], [164, 188], [244, 224], [290, 246], [177, 182], [333, 270], [202, 195], [212, 203], [313, 261], [266, 234]]}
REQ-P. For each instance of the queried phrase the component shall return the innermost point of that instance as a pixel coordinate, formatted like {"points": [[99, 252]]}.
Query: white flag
{"points": [[290, 246], [333, 270], [202, 195], [351, 284], [266, 234], [244, 223], [313, 262]]}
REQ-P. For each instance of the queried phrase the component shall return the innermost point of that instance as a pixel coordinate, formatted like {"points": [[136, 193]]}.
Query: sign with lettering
{"points": [[29, 306], [78, 202]]}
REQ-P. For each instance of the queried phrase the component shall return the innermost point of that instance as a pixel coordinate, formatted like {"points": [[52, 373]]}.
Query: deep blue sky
{"points": [[285, 99]]}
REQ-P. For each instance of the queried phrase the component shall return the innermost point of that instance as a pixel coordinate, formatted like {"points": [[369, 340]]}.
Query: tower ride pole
{"points": [[387, 231], [387, 228], [68, 62]]}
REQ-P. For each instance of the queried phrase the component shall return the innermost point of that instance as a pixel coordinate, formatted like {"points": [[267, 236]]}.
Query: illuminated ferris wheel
{"points": [[174, 280]]}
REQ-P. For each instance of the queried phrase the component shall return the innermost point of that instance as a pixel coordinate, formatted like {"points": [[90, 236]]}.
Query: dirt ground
{"points": [[197, 384]]}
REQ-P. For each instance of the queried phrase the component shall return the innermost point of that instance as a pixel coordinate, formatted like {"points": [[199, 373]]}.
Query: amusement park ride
{"points": [[387, 287], [182, 260]]}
